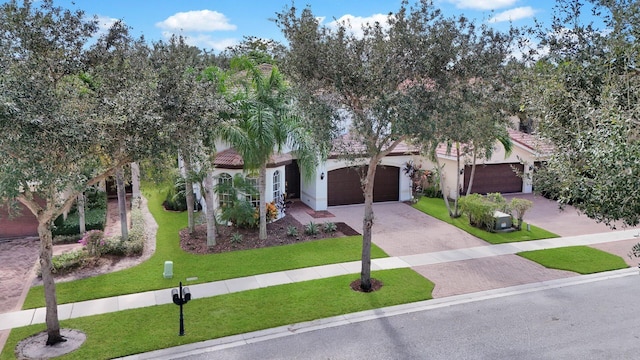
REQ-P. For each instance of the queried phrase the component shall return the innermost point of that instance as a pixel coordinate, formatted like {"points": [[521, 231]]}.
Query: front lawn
{"points": [[211, 267], [146, 329], [580, 259], [435, 207]]}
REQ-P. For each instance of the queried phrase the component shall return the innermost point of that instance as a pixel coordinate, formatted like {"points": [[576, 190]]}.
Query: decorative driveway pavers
{"points": [[17, 259], [401, 230], [467, 276]]}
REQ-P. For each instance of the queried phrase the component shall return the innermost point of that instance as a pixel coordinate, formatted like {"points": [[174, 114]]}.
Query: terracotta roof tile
{"points": [[230, 159]]}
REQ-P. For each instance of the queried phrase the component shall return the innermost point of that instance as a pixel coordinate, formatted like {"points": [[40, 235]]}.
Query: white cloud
{"points": [[197, 20], [514, 14], [105, 23], [204, 41], [355, 23], [482, 4]]}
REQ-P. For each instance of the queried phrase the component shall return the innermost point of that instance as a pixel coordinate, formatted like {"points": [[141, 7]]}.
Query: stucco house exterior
{"points": [[337, 182]]}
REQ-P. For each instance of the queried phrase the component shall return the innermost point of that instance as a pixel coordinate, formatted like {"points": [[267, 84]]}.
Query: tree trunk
{"points": [[367, 225], [135, 180], [262, 184], [456, 212], [473, 173], [441, 181], [211, 212], [51, 301], [122, 203], [190, 197], [81, 218]]}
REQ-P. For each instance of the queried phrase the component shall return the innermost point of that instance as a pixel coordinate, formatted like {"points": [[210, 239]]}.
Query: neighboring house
{"points": [[337, 182], [496, 174]]}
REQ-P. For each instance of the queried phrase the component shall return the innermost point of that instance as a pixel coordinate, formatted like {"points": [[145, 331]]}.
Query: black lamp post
{"points": [[180, 298]]}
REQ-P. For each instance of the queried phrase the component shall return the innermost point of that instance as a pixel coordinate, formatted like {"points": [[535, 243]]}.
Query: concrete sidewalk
{"points": [[106, 305]]}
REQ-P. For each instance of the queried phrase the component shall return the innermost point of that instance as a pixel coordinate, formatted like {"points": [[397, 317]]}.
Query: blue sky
{"points": [[216, 24]]}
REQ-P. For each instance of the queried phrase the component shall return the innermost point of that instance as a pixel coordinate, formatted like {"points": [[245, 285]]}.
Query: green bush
{"points": [[236, 238], [94, 220], [311, 228], [292, 231], [479, 210], [137, 236], [95, 199], [240, 213], [432, 192], [66, 262], [66, 239], [176, 199], [329, 227]]}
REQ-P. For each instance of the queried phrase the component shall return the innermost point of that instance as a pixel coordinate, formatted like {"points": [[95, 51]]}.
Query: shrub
{"points": [[292, 231], [93, 241], [272, 212], [311, 228], [479, 210], [240, 213], [329, 227], [137, 236], [236, 238], [94, 220], [432, 192], [66, 239], [95, 199], [176, 199], [66, 262]]}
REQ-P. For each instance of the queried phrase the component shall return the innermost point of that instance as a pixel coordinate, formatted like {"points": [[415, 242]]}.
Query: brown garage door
{"points": [[344, 185], [20, 224], [494, 178]]}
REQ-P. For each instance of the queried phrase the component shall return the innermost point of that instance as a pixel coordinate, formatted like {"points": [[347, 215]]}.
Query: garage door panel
{"points": [[494, 178], [343, 185]]}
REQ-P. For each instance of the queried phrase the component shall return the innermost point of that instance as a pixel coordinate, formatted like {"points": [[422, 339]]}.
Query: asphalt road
{"points": [[597, 320]]}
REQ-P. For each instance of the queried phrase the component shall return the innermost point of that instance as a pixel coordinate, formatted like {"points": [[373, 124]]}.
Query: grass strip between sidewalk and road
{"points": [[435, 207], [210, 267], [581, 259], [151, 328]]}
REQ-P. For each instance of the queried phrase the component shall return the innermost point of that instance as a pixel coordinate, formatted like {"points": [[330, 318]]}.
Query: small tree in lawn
{"points": [[520, 207]]}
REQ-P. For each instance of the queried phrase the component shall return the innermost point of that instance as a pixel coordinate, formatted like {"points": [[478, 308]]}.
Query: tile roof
{"points": [[231, 159], [352, 145], [531, 142]]}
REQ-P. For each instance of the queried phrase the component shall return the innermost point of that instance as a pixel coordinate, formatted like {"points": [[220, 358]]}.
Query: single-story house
{"points": [[337, 181]]}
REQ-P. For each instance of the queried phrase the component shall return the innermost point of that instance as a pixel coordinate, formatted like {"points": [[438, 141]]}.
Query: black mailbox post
{"points": [[180, 298]]}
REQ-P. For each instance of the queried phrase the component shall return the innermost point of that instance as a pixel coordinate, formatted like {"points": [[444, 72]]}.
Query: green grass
{"points": [[146, 329], [580, 259], [436, 208], [212, 267]]}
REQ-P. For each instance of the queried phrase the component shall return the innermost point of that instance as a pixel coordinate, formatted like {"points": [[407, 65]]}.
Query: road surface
{"points": [[596, 320]]}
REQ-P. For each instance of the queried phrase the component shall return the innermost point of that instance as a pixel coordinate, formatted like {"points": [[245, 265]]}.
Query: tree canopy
{"points": [[583, 90]]}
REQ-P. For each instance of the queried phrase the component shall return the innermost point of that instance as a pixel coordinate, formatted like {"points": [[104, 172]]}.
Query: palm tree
{"points": [[264, 123]]}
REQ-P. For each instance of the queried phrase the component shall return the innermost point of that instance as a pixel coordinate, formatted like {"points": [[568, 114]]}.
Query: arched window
{"points": [[225, 183], [277, 186], [255, 198]]}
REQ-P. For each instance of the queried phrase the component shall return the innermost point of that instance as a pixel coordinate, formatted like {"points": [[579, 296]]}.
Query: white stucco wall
{"points": [[314, 193], [519, 154]]}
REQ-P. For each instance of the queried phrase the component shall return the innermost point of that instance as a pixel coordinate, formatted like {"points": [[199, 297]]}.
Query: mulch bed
{"points": [[276, 235]]}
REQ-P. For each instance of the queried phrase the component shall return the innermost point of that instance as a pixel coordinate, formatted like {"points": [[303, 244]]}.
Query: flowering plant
{"points": [[93, 241]]}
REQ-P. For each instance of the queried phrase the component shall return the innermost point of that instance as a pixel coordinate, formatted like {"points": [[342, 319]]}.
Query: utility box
{"points": [[168, 270], [502, 221]]}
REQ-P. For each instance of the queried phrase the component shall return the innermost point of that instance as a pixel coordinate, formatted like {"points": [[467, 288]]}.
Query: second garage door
{"points": [[494, 178], [344, 185]]}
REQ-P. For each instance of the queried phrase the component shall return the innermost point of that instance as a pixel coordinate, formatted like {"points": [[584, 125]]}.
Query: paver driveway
{"points": [[401, 230]]}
